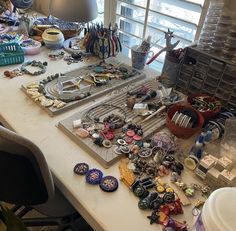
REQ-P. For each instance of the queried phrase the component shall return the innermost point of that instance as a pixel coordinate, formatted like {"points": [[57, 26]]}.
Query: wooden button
{"points": [[82, 133]]}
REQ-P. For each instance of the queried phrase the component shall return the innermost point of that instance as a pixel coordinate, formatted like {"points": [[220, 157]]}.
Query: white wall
{"points": [[41, 6]]}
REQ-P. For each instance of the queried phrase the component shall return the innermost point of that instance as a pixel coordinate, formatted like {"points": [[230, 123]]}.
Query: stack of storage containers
{"points": [[229, 50], [220, 36], [214, 13]]}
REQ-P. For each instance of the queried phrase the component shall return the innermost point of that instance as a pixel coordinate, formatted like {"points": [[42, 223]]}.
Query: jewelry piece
{"points": [[81, 168], [13, 73], [34, 63], [94, 176], [107, 143], [117, 150], [82, 133], [145, 152], [109, 184], [126, 175]]}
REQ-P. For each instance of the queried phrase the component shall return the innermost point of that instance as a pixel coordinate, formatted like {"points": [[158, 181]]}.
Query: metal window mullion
{"points": [[176, 36], [170, 16], [131, 19], [125, 32], [191, 3], [131, 4], [146, 19]]}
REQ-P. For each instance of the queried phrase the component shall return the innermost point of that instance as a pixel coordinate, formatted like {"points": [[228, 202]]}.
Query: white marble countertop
{"points": [[116, 211]]}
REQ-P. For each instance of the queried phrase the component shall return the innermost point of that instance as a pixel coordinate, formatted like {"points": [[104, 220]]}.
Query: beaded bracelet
{"points": [[34, 63]]}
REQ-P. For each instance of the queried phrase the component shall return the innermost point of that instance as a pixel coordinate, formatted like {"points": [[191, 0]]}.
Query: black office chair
{"points": [[26, 182]]}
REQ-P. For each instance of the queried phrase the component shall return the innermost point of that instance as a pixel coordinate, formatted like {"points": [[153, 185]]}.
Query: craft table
{"points": [[103, 211]]}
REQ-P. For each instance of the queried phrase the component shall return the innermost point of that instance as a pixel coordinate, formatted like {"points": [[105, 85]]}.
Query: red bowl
{"points": [[181, 132], [206, 114]]}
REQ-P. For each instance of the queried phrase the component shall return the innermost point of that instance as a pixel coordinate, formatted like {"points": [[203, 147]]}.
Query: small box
{"points": [[201, 171], [227, 176], [224, 163], [140, 108], [208, 161], [213, 173]]}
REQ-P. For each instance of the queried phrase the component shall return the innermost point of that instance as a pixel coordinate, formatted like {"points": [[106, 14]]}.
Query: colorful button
{"points": [[94, 176], [137, 137], [82, 133], [81, 168], [121, 142], [109, 184], [145, 152], [160, 189], [130, 133], [190, 163], [107, 143], [128, 139]]}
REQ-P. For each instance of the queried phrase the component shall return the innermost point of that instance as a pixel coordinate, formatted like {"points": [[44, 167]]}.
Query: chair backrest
{"points": [[24, 175]]}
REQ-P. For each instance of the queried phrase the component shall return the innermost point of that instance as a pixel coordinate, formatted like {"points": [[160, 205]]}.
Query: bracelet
{"points": [[34, 63]]}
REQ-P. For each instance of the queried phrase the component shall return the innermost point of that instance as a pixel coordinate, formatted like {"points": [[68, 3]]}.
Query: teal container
{"points": [[11, 53]]}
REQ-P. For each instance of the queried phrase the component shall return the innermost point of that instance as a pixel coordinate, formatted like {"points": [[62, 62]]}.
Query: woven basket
{"points": [[11, 53]]}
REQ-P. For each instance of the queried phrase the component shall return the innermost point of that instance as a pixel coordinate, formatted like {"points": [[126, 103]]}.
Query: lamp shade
{"points": [[74, 10], [22, 4]]}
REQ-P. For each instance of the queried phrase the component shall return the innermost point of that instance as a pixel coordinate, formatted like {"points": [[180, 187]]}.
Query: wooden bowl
{"points": [[181, 132]]}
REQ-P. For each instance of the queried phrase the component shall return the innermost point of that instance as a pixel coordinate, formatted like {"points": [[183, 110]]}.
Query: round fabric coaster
{"points": [[94, 176], [81, 168], [109, 184]]}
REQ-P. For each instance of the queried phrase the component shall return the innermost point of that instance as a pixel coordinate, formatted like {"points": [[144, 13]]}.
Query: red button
{"points": [[137, 137], [130, 133]]}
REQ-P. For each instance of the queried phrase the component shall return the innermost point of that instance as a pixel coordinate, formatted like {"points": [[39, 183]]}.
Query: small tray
{"points": [[51, 87], [107, 156]]}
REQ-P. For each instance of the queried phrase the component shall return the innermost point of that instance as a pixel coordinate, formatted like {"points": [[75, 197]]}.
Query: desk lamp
{"points": [[81, 11]]}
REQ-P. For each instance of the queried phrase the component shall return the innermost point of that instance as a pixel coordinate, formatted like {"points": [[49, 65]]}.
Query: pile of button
{"points": [[95, 176]]}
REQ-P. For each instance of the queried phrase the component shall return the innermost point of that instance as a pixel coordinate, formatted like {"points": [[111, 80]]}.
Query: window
{"points": [[139, 18], [100, 17]]}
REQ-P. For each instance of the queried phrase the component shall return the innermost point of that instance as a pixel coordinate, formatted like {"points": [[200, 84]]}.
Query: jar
{"points": [[218, 212], [53, 38]]}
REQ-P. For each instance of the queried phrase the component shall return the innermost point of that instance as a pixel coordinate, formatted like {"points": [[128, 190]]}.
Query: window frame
{"points": [[110, 14]]}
